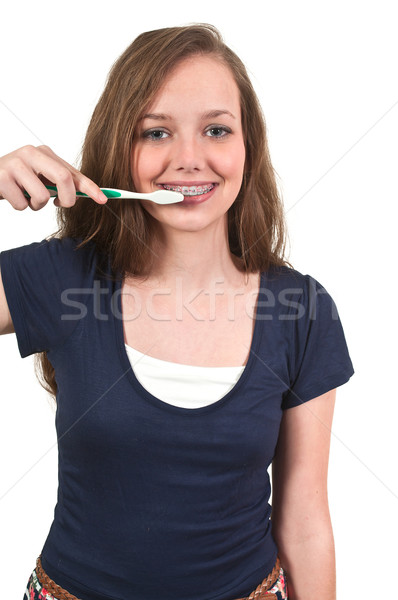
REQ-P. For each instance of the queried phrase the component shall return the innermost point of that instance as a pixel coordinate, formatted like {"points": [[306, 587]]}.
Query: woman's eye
{"points": [[218, 132], [155, 134]]}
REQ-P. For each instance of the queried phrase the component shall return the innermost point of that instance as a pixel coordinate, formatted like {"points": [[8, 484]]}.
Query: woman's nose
{"points": [[188, 154]]}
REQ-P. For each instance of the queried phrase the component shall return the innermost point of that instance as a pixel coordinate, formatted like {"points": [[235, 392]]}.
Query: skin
{"points": [[179, 141], [192, 134], [30, 168], [301, 521]]}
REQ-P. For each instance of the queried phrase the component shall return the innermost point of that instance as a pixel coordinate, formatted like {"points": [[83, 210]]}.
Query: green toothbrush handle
{"points": [[106, 192]]}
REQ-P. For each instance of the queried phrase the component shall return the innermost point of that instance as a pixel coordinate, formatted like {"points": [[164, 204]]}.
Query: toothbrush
{"points": [[159, 196]]}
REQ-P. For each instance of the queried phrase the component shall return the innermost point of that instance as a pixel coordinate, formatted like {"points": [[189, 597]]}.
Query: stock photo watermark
{"points": [[285, 305]]}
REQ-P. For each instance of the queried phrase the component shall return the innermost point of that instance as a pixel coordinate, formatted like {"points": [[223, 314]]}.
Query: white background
{"points": [[325, 73]]}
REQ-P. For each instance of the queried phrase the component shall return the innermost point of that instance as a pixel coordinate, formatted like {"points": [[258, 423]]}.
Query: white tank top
{"points": [[186, 386]]}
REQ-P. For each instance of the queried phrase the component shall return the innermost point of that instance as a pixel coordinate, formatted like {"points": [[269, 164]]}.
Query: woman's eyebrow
{"points": [[155, 117], [212, 114]]}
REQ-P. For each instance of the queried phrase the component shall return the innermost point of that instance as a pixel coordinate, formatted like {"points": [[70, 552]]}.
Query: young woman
{"points": [[185, 353]]}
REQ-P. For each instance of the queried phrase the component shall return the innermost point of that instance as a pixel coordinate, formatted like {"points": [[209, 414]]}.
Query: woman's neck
{"points": [[198, 259]]}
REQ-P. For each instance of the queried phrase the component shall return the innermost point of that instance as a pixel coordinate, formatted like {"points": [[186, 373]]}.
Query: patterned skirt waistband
{"points": [[41, 587]]}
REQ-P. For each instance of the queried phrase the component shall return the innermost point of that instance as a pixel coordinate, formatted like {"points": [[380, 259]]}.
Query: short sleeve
{"points": [[319, 358], [39, 281]]}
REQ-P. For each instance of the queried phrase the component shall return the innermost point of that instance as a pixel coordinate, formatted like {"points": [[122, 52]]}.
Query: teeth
{"points": [[192, 190]]}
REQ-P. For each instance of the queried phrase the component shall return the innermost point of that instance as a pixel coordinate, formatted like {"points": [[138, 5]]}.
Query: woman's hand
{"points": [[31, 168]]}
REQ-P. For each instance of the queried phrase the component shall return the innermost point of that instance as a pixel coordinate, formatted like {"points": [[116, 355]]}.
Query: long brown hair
{"points": [[122, 229]]}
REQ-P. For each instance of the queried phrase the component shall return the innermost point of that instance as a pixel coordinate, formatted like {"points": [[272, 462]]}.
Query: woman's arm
{"points": [[300, 512], [21, 170], [6, 325]]}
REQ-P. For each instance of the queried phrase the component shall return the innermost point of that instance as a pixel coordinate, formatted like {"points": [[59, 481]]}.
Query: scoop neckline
{"points": [[180, 366], [146, 395]]}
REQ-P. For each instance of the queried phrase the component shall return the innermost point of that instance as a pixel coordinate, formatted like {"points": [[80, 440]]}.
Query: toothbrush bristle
{"points": [[169, 197]]}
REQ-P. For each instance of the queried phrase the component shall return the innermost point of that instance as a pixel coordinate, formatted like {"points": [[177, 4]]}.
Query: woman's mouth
{"points": [[190, 190], [193, 194]]}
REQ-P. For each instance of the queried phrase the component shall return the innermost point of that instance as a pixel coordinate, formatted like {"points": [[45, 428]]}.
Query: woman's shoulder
{"points": [[54, 243], [287, 275], [71, 249], [287, 285], [68, 244], [54, 257]]}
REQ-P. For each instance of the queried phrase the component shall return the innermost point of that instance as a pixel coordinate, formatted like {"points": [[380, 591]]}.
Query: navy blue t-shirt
{"points": [[158, 501]]}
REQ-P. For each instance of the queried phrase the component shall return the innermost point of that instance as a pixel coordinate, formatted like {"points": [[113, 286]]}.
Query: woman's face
{"points": [[191, 137]]}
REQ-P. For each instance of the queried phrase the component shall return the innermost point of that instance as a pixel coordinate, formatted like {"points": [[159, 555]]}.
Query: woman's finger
{"points": [[30, 169], [80, 181], [13, 194]]}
